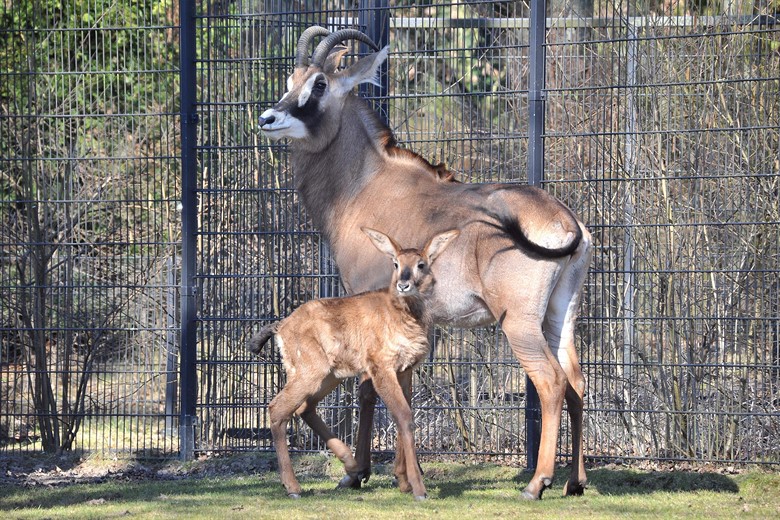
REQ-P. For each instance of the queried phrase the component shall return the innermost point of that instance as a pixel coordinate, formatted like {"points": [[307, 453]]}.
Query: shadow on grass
{"points": [[629, 482], [189, 494], [604, 481]]}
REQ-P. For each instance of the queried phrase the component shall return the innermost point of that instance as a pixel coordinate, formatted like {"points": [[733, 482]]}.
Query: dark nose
{"points": [[262, 121]]}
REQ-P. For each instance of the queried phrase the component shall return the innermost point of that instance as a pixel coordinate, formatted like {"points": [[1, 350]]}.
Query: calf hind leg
{"points": [[281, 408], [308, 412]]}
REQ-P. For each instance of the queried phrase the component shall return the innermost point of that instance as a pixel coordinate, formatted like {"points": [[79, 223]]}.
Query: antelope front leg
{"points": [[367, 398]]}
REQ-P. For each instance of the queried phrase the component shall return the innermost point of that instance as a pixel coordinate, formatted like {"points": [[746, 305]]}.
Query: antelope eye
{"points": [[395, 264], [421, 266], [319, 87]]}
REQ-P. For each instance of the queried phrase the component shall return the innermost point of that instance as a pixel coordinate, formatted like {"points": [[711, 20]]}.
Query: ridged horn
{"points": [[326, 45], [302, 51]]}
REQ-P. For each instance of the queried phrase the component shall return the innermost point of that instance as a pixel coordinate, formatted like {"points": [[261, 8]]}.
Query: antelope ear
{"points": [[334, 58], [366, 70], [382, 242], [439, 243]]}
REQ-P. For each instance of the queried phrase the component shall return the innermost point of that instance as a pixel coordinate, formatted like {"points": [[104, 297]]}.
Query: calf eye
{"points": [[421, 266]]}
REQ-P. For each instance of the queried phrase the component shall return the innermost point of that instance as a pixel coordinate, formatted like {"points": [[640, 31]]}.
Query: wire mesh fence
{"points": [[664, 143], [89, 232], [661, 133]]}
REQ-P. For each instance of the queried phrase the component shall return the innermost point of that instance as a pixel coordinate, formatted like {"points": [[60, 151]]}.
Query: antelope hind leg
{"points": [[530, 347], [367, 398]]}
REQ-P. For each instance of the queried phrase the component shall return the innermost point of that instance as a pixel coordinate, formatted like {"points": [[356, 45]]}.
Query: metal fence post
{"points": [[189, 165], [375, 18], [536, 107], [172, 355]]}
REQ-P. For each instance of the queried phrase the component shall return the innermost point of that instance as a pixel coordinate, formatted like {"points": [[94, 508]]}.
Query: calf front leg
{"points": [[399, 468], [389, 389]]}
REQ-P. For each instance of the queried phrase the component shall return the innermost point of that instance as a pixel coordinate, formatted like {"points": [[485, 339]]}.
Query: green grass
{"points": [[457, 491]]}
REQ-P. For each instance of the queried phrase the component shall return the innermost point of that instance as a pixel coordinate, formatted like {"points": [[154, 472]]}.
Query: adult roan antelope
{"points": [[521, 258], [382, 334]]}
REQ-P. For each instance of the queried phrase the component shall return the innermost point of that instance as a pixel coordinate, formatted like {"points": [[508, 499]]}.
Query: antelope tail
{"points": [[510, 225], [259, 340]]}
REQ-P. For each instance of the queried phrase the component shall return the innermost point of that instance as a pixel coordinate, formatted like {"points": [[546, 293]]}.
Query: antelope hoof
{"points": [[574, 489], [361, 477], [294, 496], [420, 498]]}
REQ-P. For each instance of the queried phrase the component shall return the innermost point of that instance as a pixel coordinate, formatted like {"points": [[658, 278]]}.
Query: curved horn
{"points": [[302, 51], [326, 45]]}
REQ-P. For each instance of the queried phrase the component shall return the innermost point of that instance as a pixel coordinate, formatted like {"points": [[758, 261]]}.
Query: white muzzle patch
{"points": [[280, 125]]}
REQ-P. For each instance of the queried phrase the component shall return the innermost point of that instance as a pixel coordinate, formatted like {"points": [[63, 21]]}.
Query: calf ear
{"points": [[439, 243], [382, 242], [366, 70]]}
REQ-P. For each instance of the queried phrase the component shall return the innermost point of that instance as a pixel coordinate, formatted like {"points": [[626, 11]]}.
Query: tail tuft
{"points": [[510, 225], [258, 341]]}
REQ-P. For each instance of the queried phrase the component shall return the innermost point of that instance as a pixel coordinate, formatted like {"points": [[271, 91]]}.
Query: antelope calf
{"points": [[381, 334]]}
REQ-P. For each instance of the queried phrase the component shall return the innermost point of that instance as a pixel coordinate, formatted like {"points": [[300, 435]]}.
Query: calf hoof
{"points": [[530, 493], [420, 498], [354, 480], [527, 495], [294, 496], [402, 484], [574, 489], [346, 482]]}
